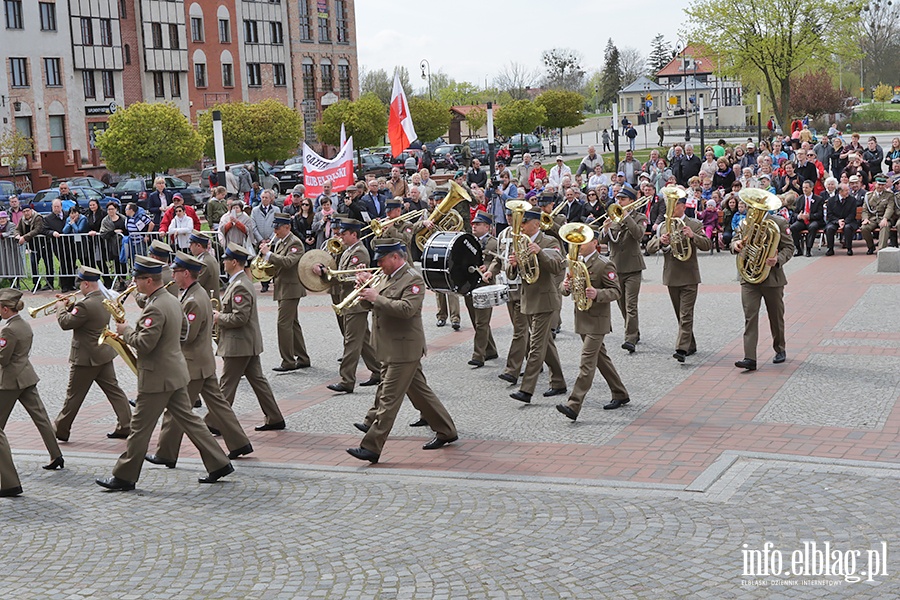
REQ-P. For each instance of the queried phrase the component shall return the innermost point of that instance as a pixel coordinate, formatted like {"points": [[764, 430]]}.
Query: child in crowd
{"points": [[710, 219]]}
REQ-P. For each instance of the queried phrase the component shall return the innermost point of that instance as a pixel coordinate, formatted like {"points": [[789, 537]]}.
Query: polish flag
{"points": [[343, 135], [400, 126]]}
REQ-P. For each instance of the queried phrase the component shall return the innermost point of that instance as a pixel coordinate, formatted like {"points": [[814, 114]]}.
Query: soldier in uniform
{"points": [[399, 340], [198, 354], [240, 340], [162, 382], [400, 230], [209, 276], [10, 485], [284, 254], [547, 202], [539, 302], [682, 277], [484, 346], [162, 252], [877, 213], [624, 241], [593, 325], [90, 362], [771, 289], [18, 381], [356, 318]]}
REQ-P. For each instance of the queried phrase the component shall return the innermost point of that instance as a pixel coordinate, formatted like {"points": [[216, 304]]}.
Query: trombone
{"points": [[377, 226], [47, 309], [547, 218], [616, 213]]}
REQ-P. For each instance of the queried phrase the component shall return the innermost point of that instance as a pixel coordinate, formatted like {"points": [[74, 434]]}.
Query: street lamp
{"points": [[758, 118], [426, 75], [646, 113], [696, 98], [680, 47]]}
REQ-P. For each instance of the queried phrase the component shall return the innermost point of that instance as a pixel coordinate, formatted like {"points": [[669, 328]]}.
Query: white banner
{"points": [[318, 170]]}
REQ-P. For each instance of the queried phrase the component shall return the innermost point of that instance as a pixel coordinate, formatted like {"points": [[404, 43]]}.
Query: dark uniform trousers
{"points": [[448, 304], [251, 368], [80, 380], [593, 358], [9, 478], [31, 402], [291, 344], [541, 348], [751, 296], [518, 347], [357, 343], [628, 304], [684, 297], [221, 415], [484, 344]]}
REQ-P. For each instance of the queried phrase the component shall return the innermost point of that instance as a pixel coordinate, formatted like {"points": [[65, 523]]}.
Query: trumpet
{"points": [[345, 275], [260, 268], [48, 309], [353, 298], [547, 218]]}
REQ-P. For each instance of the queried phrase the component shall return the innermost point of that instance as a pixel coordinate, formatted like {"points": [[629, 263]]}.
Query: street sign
{"points": [[649, 104], [673, 100], [649, 97]]}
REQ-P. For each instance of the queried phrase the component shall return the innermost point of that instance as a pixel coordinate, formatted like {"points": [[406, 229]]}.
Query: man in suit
{"points": [[877, 213], [162, 382], [574, 209], [284, 254], [209, 278], [355, 318], [685, 166], [399, 341], [540, 301], [810, 211], [89, 361], [240, 339], [771, 289], [372, 203], [682, 277], [592, 325], [624, 240], [841, 214], [198, 354], [484, 346]]}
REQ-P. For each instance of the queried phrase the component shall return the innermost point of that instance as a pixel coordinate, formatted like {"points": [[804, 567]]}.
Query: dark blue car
{"points": [[43, 200]]}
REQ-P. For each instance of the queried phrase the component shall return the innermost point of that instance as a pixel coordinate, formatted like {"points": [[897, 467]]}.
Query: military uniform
{"points": [[284, 255], [209, 278], [624, 241], [682, 279], [162, 252], [356, 322], [875, 208], [484, 345], [90, 362], [9, 477], [593, 325]]}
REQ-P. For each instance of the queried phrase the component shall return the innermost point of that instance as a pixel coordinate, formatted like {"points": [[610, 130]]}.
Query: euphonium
{"points": [[679, 244], [576, 234], [760, 237], [47, 309], [260, 268], [527, 262], [443, 216], [353, 297], [117, 307], [547, 218], [117, 310]]}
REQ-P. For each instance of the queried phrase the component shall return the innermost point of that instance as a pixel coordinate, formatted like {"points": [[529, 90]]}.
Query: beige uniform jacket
{"points": [[605, 280], [86, 320], [285, 255], [675, 272], [16, 372], [624, 240], [354, 257], [239, 333], [197, 346], [878, 206], [157, 342], [209, 276], [397, 332], [543, 295]]}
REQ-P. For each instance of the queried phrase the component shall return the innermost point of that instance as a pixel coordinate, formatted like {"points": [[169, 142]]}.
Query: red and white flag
{"points": [[400, 126], [337, 170]]}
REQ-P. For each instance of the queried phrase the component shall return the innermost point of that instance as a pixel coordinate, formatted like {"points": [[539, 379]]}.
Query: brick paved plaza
{"points": [[655, 500]]}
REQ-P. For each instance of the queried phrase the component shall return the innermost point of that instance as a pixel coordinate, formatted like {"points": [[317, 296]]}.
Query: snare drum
{"points": [[489, 296], [450, 262]]}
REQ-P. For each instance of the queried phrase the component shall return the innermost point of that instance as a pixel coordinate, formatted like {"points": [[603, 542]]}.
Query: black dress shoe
{"points": [[284, 368], [217, 474], [554, 392], [629, 346], [62, 438], [614, 404], [508, 378], [440, 323], [829, 252], [679, 355], [133, 403], [691, 352], [798, 253], [198, 403], [118, 435], [370, 382], [420, 423], [300, 365], [567, 410], [115, 484], [339, 387], [56, 463], [870, 251], [780, 357], [156, 460], [521, 397], [455, 326], [849, 252], [746, 363], [362, 427], [271, 426], [491, 357], [436, 443], [11, 492], [363, 454], [808, 254], [214, 431], [476, 363], [242, 451]]}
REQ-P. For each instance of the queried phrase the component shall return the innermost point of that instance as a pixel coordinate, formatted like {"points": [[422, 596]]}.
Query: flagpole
{"points": [[490, 136]]}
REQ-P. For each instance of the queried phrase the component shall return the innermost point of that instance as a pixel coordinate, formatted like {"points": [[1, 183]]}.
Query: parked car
{"points": [[479, 148], [43, 200], [138, 189], [525, 142], [290, 175], [91, 182], [434, 144], [401, 159], [372, 164], [895, 99], [383, 151], [268, 178], [441, 152], [8, 188]]}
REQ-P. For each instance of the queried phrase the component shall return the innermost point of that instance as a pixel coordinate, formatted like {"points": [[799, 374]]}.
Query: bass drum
{"points": [[450, 262]]}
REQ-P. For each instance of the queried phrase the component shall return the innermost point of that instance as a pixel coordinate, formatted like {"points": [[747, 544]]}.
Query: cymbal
{"points": [[311, 281]]}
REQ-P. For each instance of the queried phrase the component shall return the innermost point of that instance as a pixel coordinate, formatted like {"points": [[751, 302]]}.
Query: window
{"points": [[14, 14], [309, 80], [324, 32], [87, 32], [105, 32], [251, 33], [305, 30], [227, 75], [175, 84], [327, 77], [277, 33], [127, 54], [280, 77], [48, 16], [90, 89], [51, 68], [196, 29], [23, 124], [123, 6], [344, 81], [224, 31], [19, 70], [109, 84], [156, 34], [340, 16], [174, 41], [57, 132], [159, 85], [200, 75], [254, 75]]}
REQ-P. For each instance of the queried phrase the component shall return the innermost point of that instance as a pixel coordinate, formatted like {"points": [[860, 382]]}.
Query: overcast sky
{"points": [[472, 39]]}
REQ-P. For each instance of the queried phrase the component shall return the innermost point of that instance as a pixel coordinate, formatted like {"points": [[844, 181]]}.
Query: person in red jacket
{"points": [[538, 172], [177, 200]]}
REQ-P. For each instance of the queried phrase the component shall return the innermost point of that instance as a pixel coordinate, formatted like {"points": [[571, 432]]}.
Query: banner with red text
{"points": [[318, 170]]}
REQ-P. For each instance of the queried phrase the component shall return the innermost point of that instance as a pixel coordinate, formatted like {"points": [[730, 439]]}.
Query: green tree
{"points": [[267, 130], [564, 70], [786, 38], [660, 56], [562, 109], [376, 82], [14, 147], [430, 118], [815, 94], [519, 116], [611, 78], [458, 93], [883, 93], [149, 138], [477, 118], [365, 119]]}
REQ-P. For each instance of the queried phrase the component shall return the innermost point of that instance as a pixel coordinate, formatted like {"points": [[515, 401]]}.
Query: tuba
{"points": [[679, 244], [117, 310], [527, 263], [443, 216], [260, 268], [576, 234], [760, 237]]}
